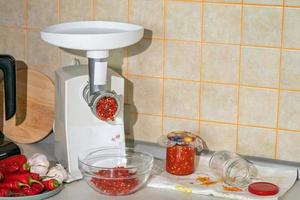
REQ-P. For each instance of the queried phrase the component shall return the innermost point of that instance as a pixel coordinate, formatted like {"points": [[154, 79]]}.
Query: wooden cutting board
{"points": [[34, 116]]}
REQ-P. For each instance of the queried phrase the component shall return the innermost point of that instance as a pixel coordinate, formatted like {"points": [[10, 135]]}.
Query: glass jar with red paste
{"points": [[181, 152]]}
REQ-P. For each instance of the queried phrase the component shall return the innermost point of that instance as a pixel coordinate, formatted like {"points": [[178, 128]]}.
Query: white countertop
{"points": [[79, 190]]}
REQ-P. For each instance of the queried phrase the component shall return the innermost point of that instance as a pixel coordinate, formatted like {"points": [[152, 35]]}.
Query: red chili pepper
{"points": [[1, 176], [13, 185], [34, 189], [35, 176], [22, 177], [4, 192], [13, 163], [51, 184], [24, 168]]}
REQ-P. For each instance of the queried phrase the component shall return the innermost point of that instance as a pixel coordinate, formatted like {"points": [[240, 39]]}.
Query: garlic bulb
{"points": [[39, 164], [58, 172]]}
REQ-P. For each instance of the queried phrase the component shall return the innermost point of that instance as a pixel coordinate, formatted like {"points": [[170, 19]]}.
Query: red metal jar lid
{"points": [[263, 188]]}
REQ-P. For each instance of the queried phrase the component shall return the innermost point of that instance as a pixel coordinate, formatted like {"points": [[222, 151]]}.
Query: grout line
{"points": [[212, 82], [136, 113], [201, 66], [57, 48], [239, 79], [182, 118], [237, 3], [216, 122], [93, 9], [172, 40], [256, 126], [222, 43], [128, 10], [59, 10], [163, 66], [289, 130], [26, 31], [279, 81], [126, 55]]}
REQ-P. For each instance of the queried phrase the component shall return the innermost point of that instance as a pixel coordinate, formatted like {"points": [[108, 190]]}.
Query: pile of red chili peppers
{"points": [[118, 181], [16, 179], [107, 108]]}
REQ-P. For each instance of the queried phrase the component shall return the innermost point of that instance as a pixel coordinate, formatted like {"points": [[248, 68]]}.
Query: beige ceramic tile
{"points": [[258, 142], [46, 70], [148, 14], [290, 75], [42, 13], [71, 58], [146, 58], [218, 136], [291, 36], [262, 26], [12, 42], [181, 99], [111, 10], [79, 11], [183, 20], [145, 95], [260, 67], [258, 107], [263, 2], [171, 124], [292, 2], [145, 127], [40, 52], [183, 60], [221, 63], [219, 103], [117, 60], [288, 146], [222, 23], [12, 12], [289, 111]]}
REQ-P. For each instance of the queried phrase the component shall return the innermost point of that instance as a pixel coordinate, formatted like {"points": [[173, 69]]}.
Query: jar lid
{"points": [[263, 188], [181, 138]]}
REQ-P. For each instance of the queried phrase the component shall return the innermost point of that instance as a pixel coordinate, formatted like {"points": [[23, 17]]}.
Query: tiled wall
{"points": [[228, 70]]}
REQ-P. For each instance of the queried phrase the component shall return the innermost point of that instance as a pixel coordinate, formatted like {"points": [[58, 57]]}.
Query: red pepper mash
{"points": [[181, 152], [116, 182], [180, 160], [106, 108]]}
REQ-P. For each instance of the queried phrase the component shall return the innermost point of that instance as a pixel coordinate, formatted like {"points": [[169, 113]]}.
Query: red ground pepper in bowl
{"points": [[115, 170], [181, 152], [118, 181]]}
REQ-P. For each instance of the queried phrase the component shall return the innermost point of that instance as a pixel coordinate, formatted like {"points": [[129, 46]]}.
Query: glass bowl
{"points": [[115, 170]]}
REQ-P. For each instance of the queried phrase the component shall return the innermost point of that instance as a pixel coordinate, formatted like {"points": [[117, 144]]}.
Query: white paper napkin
{"points": [[283, 176]]}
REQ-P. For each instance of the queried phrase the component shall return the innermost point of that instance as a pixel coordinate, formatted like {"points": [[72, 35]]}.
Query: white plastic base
{"points": [[76, 127]]}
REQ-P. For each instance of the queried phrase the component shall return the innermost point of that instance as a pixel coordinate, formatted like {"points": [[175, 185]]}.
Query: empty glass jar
{"points": [[232, 168]]}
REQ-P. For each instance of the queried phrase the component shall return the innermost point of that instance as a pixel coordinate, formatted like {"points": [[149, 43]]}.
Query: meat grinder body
{"points": [[76, 128]]}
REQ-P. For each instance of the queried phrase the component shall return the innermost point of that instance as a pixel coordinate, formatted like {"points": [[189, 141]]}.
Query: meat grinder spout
{"points": [[97, 62]]}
